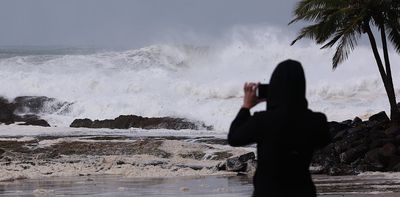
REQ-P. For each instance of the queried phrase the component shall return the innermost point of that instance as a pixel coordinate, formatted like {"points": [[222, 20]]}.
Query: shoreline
{"points": [[85, 154], [48, 156], [114, 185]]}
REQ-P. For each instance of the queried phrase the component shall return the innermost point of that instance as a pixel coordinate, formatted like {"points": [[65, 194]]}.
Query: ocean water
{"points": [[201, 83]]}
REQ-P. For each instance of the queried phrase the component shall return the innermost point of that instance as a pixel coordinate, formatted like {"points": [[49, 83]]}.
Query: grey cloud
{"points": [[129, 22]]}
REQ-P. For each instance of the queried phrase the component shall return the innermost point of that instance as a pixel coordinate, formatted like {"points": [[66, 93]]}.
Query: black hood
{"points": [[287, 87]]}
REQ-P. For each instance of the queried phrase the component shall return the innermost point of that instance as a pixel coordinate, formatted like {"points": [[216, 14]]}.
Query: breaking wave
{"points": [[196, 82]]}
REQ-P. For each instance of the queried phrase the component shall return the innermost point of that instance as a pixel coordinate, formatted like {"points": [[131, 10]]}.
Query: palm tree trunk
{"points": [[394, 110], [389, 91]]}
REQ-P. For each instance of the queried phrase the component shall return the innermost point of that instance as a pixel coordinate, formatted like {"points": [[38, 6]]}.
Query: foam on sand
{"points": [[79, 156]]}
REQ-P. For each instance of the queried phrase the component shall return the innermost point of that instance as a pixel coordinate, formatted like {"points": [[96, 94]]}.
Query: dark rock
{"points": [[373, 156], [339, 135], [1, 153], [39, 122], [25, 108], [347, 122], [380, 142], [396, 168], [349, 142], [393, 161], [239, 163], [155, 163], [335, 127], [360, 128], [340, 170], [30, 104], [31, 119], [221, 166], [378, 166], [393, 130], [388, 150], [326, 158], [372, 124], [397, 140], [356, 121], [87, 123], [38, 104], [26, 117], [380, 158], [380, 117], [193, 155], [377, 133], [128, 121], [359, 148], [353, 153], [6, 111], [219, 141]]}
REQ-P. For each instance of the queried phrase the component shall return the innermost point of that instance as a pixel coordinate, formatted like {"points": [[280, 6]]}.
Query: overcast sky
{"points": [[130, 22]]}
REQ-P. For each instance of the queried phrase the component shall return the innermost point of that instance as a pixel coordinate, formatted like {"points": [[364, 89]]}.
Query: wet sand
{"points": [[130, 166], [120, 186], [221, 186]]}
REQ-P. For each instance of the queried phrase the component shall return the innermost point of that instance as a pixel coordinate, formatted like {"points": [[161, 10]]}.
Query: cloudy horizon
{"points": [[132, 23]]}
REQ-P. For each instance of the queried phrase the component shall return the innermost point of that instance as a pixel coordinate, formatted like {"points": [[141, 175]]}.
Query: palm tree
{"points": [[341, 23]]}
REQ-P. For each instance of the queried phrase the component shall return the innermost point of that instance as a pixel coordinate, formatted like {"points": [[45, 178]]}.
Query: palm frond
{"points": [[348, 37], [345, 47], [392, 26], [307, 32]]}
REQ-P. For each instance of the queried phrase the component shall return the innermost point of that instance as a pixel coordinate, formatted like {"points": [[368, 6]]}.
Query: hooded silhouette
{"points": [[287, 134]]}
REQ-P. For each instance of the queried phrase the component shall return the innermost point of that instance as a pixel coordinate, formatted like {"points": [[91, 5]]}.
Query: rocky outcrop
{"points": [[40, 104], [25, 109], [129, 121], [1, 153], [30, 104], [36, 122], [6, 111], [359, 146]]}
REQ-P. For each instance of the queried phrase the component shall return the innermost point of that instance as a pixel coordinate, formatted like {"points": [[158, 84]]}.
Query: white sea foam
{"points": [[199, 83], [18, 130], [135, 165]]}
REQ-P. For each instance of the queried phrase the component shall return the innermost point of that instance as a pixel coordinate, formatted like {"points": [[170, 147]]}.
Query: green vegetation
{"points": [[341, 23]]}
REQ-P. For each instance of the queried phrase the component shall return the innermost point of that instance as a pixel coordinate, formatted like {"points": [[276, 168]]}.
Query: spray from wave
{"points": [[195, 82]]}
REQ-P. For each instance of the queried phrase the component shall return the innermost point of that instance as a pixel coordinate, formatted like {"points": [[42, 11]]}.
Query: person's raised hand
{"points": [[250, 95]]}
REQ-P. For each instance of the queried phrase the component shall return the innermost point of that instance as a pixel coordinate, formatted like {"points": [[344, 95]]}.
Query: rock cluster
{"points": [[242, 164], [358, 146], [30, 106], [129, 121], [24, 110]]}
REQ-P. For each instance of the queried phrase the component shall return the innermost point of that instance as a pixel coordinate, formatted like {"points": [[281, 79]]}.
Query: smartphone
{"points": [[262, 91]]}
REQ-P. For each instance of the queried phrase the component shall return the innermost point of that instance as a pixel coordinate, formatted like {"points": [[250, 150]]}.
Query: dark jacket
{"points": [[287, 134]]}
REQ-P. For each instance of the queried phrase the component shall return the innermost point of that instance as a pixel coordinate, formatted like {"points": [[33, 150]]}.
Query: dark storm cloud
{"points": [[129, 22]]}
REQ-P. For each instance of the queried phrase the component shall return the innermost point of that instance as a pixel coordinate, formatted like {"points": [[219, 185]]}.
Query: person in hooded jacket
{"points": [[286, 134]]}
